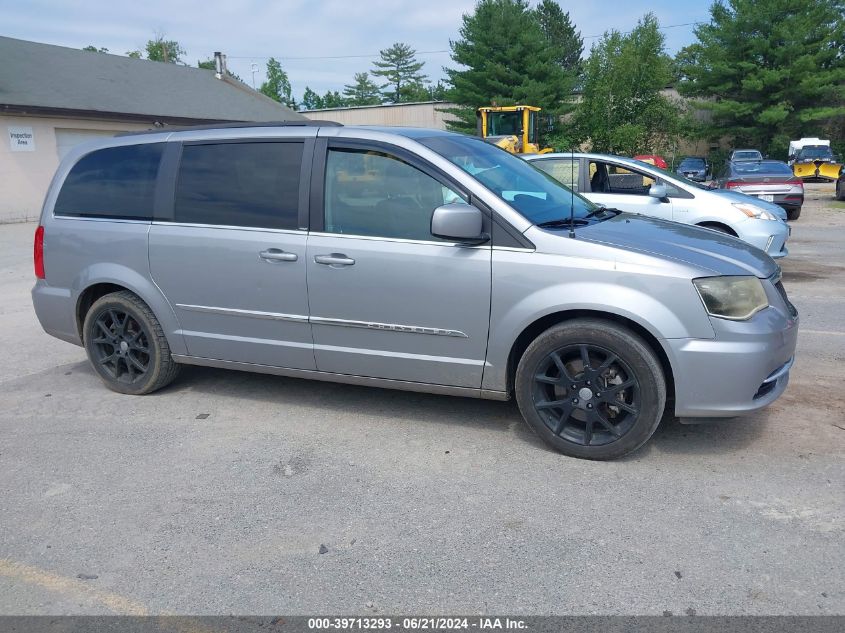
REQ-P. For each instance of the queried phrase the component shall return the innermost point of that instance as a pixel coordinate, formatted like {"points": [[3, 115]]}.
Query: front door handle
{"points": [[334, 260], [277, 255]]}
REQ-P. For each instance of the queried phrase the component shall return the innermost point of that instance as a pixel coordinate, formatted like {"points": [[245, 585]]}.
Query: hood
{"points": [[701, 248], [736, 196]]}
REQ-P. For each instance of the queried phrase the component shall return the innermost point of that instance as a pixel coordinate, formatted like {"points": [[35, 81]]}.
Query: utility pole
{"points": [[254, 69]]}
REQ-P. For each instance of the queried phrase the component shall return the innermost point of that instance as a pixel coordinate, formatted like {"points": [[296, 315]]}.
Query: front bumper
{"points": [[767, 235], [743, 369]]}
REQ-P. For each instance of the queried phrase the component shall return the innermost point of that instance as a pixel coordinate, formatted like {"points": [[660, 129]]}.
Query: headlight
{"points": [[753, 211], [737, 298]]}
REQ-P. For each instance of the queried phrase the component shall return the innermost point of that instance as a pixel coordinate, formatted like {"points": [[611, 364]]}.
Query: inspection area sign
{"points": [[21, 139]]}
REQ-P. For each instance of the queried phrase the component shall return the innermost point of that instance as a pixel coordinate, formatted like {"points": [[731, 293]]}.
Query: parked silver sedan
{"points": [[768, 180], [637, 187]]}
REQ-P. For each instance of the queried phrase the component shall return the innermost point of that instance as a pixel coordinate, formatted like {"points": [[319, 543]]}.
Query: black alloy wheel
{"points": [[587, 395], [121, 346], [591, 388], [127, 346]]}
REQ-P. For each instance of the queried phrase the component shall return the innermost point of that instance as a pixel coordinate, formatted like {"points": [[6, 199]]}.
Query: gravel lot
{"points": [[215, 495]]}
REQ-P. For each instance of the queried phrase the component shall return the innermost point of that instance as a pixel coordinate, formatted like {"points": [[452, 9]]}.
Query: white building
{"points": [[423, 114]]}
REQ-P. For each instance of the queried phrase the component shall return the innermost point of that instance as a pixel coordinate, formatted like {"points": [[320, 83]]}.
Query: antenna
{"points": [[572, 196]]}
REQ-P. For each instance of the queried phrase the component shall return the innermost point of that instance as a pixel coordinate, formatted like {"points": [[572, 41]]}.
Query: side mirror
{"points": [[659, 192], [458, 222]]}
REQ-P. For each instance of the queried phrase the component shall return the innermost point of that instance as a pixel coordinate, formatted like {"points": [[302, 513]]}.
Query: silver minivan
{"points": [[404, 258]]}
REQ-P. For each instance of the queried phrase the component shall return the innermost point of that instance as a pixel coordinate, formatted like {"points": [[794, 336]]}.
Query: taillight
{"points": [[795, 183], [38, 253], [731, 185]]}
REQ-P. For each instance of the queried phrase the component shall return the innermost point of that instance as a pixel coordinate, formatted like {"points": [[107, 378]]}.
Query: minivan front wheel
{"points": [[126, 345], [591, 389]]}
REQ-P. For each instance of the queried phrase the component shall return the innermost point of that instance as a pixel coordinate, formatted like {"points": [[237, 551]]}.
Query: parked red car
{"points": [[653, 159]]}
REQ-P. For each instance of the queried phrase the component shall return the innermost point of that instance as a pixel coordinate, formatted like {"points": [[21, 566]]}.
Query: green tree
{"points": [[94, 49], [333, 99], [437, 92], [311, 100], [506, 59], [768, 70], [162, 50], [362, 92], [399, 66], [560, 34], [134, 54], [277, 86], [623, 110]]}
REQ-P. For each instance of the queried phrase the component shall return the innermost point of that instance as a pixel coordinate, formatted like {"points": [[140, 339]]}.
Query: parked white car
{"points": [[637, 187]]}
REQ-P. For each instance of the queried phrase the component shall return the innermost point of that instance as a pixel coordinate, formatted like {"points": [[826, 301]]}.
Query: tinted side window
{"points": [[374, 194], [563, 170], [607, 178], [240, 184], [117, 182]]}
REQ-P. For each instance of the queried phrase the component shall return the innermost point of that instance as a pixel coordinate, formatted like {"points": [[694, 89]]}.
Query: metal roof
{"points": [[41, 77]]}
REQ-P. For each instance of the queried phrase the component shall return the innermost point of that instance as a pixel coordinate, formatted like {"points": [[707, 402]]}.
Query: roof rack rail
{"points": [[241, 124]]}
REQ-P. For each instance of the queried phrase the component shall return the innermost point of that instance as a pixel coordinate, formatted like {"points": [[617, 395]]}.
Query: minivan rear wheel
{"points": [[126, 345], [591, 389]]}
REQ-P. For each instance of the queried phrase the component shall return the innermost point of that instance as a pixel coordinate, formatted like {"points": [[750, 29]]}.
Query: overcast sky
{"points": [[320, 43]]}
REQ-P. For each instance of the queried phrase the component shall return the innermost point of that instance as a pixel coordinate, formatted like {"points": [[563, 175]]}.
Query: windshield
{"points": [[817, 151], [535, 194], [504, 123], [747, 155]]}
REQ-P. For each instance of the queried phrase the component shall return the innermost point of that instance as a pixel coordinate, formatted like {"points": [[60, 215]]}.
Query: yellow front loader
{"points": [[514, 128]]}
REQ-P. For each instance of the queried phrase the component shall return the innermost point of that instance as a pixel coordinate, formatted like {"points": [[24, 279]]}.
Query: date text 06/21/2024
{"points": [[416, 623]]}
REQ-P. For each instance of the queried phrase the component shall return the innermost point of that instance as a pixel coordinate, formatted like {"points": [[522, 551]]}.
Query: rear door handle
{"points": [[335, 260], [277, 255]]}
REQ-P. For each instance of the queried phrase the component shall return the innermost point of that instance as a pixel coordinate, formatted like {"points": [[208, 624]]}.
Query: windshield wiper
{"points": [[595, 212], [551, 224]]}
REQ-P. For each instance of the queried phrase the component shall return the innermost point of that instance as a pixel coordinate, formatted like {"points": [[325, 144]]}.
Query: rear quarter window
{"points": [[115, 182]]}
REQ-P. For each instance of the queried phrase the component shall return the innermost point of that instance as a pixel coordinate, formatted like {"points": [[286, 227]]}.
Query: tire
{"points": [[569, 421], [126, 345], [840, 191], [793, 213]]}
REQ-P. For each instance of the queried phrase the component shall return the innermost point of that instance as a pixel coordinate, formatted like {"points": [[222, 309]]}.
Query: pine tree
{"points": [[311, 100], [333, 99], [362, 92], [560, 34], [768, 70], [399, 66], [506, 60]]}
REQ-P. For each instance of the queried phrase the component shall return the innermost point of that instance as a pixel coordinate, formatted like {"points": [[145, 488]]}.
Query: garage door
{"points": [[67, 138]]}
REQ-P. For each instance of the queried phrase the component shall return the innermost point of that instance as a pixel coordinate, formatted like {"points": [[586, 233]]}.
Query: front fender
{"points": [[667, 308]]}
